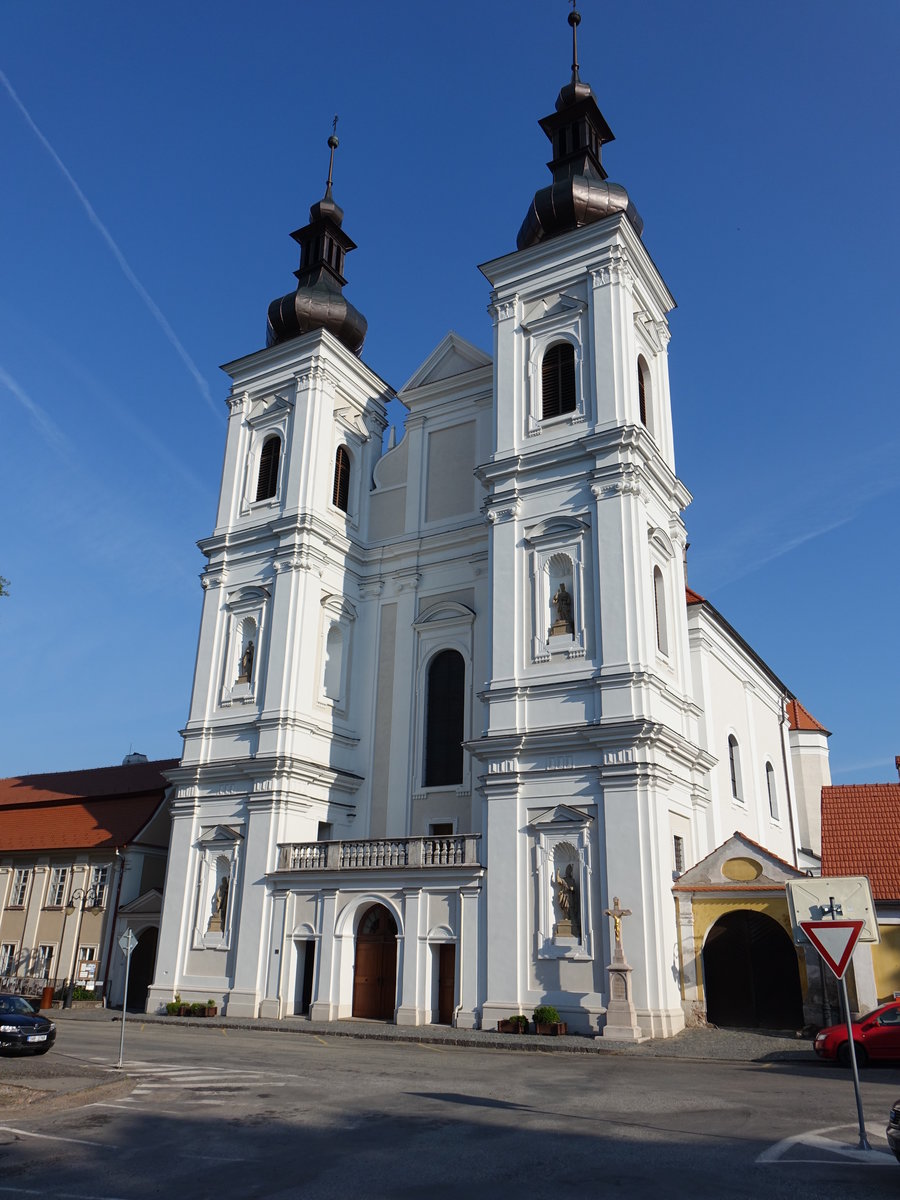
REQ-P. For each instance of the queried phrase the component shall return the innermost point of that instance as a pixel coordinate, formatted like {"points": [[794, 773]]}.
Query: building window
{"points": [[440, 829], [267, 480], [20, 887], [334, 663], [99, 881], [734, 765], [44, 962], [659, 604], [56, 893], [445, 719], [340, 495], [773, 795], [8, 958], [558, 381], [325, 831], [678, 849], [643, 390]]}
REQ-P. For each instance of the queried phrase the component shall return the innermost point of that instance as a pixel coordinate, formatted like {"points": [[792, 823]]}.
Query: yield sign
{"points": [[834, 940]]}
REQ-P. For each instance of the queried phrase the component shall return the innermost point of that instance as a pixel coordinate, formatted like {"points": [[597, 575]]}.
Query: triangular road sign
{"points": [[834, 940]]}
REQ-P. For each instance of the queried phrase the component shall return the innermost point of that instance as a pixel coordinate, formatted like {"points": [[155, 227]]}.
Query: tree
{"points": [[4, 586]]}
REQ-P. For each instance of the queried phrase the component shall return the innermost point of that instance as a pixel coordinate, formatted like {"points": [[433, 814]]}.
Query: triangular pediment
{"points": [[561, 815], [451, 357], [550, 311], [149, 902], [220, 834], [738, 864]]}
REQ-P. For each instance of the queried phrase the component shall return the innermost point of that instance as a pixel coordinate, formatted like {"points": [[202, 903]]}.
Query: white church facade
{"points": [[454, 698]]}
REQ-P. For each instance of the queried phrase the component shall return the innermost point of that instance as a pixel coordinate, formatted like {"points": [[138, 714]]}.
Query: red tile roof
{"points": [[861, 834], [68, 810], [801, 719], [693, 597]]}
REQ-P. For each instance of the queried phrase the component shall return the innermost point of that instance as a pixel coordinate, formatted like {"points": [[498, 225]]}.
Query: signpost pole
{"points": [[863, 1140], [127, 943]]}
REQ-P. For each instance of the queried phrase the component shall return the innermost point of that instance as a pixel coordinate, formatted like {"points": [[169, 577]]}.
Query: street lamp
{"points": [[81, 899]]}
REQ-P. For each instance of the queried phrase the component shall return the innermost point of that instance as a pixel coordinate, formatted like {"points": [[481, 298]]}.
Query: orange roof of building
{"points": [[861, 834], [69, 810], [801, 719], [693, 597]]}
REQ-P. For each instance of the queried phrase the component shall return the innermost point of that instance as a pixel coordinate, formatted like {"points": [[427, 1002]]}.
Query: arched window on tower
{"points": [[558, 381], [267, 480], [659, 602], [340, 496], [773, 794], [643, 389], [734, 766], [445, 709]]}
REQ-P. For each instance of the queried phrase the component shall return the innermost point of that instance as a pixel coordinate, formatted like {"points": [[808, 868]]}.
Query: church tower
{"points": [[590, 746], [275, 745]]}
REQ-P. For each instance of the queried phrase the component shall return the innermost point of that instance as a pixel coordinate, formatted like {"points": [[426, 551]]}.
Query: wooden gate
{"points": [[375, 968]]}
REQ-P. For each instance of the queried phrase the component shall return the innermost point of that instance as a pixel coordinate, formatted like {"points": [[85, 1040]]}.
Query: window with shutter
{"points": [[267, 481], [558, 381], [340, 496]]}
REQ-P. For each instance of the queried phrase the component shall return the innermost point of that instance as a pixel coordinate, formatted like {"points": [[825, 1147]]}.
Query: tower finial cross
{"points": [[333, 143], [574, 19]]}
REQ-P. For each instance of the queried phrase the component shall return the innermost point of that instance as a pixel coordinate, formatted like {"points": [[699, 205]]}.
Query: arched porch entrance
{"points": [[751, 975], [140, 971], [375, 965]]}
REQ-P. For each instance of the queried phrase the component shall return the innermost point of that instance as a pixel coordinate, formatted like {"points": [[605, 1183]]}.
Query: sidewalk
{"points": [[707, 1043]]}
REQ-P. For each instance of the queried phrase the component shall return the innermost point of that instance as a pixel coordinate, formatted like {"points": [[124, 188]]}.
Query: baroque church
{"points": [[461, 739]]}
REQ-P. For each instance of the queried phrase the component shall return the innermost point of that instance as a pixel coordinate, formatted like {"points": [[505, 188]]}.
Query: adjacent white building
{"points": [[449, 699]]}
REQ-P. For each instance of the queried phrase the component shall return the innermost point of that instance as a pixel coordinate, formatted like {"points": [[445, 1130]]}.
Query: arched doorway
{"points": [[751, 975], [375, 967], [140, 971]]}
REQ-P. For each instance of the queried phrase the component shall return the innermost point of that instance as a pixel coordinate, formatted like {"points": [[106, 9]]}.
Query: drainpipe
{"points": [[120, 863], [787, 777]]}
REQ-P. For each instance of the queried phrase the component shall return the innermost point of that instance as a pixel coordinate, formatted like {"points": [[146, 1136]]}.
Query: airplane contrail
{"points": [[129, 274]]}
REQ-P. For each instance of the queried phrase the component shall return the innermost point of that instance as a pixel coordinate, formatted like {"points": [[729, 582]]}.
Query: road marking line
{"points": [[816, 1139], [436, 1049], [320, 1040], [49, 1137]]}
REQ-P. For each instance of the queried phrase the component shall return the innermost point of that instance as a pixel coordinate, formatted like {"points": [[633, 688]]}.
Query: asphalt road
{"points": [[227, 1113]]}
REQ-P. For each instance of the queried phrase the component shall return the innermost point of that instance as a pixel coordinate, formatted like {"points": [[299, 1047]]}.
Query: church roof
{"points": [[861, 834], [68, 810], [801, 719]]}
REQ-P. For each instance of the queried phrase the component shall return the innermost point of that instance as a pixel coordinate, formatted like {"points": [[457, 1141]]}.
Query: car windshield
{"points": [[869, 1015], [17, 1005]]}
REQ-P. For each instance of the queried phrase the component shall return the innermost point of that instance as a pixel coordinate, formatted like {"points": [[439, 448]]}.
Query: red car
{"points": [[876, 1036]]}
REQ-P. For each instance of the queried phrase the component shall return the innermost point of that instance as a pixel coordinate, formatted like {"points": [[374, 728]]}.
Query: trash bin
{"points": [[47, 997]]}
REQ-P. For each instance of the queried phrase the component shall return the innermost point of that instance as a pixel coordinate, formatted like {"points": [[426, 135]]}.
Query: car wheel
{"points": [[843, 1055]]}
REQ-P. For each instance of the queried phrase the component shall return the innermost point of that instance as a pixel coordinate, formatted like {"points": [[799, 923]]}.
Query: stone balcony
{"points": [[384, 854]]}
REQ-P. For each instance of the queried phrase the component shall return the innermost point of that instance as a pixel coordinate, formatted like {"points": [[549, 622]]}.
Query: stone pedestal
{"points": [[621, 1018]]}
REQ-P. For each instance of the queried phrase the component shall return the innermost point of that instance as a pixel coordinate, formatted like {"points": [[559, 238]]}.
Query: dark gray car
{"points": [[23, 1029]]}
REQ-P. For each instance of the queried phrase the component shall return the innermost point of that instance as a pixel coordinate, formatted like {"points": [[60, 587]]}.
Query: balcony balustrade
{"points": [[381, 854]]}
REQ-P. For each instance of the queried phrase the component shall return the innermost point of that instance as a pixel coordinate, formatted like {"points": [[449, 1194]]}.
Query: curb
{"points": [[50, 1102]]}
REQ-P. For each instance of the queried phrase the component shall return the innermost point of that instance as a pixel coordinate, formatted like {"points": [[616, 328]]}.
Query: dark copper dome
{"points": [[319, 302], [579, 193]]}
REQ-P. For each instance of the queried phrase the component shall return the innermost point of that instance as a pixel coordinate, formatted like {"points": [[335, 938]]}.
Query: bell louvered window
{"points": [[558, 381], [267, 482], [340, 496]]}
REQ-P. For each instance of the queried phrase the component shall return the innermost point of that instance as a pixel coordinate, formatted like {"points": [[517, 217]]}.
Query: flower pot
{"points": [[511, 1027], [557, 1029], [211, 1010], [184, 1010]]}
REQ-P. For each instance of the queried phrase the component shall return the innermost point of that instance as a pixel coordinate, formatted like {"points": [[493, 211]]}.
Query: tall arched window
{"points": [[643, 389], [773, 794], [659, 602], [340, 496], [445, 709], [558, 381], [267, 480], [734, 765], [334, 663]]}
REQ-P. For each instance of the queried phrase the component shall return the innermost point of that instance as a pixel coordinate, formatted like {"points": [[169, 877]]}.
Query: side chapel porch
{"points": [[423, 895]]}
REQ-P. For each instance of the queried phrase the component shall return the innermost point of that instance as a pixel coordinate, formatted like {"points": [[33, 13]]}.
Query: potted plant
{"points": [[547, 1021], [197, 1009], [211, 1008], [514, 1024], [173, 1008]]}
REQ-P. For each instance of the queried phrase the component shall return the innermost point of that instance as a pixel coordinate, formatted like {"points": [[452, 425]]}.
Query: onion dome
{"points": [[318, 302], [579, 193]]}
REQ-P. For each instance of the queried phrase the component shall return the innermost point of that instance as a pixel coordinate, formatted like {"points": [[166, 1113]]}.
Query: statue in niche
{"points": [[568, 901], [246, 664], [220, 907], [563, 603]]}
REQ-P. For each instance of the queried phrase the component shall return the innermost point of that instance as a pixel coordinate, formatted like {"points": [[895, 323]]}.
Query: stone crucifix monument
{"points": [[621, 1018]]}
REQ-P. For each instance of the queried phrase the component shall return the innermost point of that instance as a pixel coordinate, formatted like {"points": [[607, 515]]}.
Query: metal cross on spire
{"points": [[574, 19], [333, 143]]}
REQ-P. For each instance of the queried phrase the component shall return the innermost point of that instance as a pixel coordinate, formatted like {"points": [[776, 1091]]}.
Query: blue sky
{"points": [[155, 160]]}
